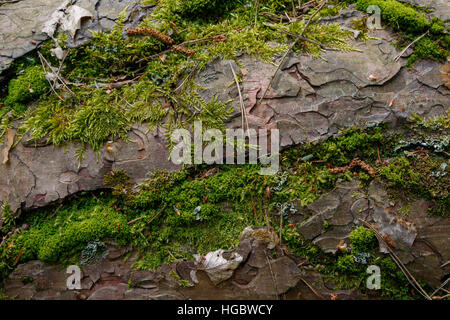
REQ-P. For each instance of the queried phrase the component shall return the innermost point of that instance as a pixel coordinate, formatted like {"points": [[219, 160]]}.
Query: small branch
{"points": [[274, 280], [407, 47], [298, 36], [49, 82], [151, 220], [57, 75], [241, 100], [440, 287]]}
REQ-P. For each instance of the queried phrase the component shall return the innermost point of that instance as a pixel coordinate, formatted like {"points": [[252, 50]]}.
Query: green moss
{"points": [[4, 296], [201, 9], [29, 85], [427, 177], [398, 15], [439, 123], [346, 264], [8, 218], [362, 240], [175, 215], [354, 142], [56, 233], [428, 48], [404, 17]]}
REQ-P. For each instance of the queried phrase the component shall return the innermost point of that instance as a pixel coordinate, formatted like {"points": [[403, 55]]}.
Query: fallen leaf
{"points": [[71, 22]]}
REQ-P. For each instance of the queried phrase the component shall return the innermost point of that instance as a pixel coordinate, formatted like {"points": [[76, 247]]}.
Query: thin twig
{"points": [[256, 11], [404, 50], [57, 75], [241, 100], [61, 65], [290, 48], [281, 227], [297, 36], [151, 220], [441, 286], [49, 82], [312, 289], [274, 280]]}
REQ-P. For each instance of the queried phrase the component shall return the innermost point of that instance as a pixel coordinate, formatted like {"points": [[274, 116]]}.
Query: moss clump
{"points": [[201, 9], [423, 176], [362, 240], [428, 48], [346, 264], [340, 151], [55, 234], [29, 85]]}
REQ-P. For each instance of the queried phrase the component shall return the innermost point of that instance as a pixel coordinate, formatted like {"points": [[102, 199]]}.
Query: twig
{"points": [[297, 36], [49, 82], [57, 75], [151, 220], [170, 253], [61, 65], [404, 50], [274, 280], [290, 48], [441, 286], [281, 227], [183, 44], [241, 100], [312, 289], [256, 11]]}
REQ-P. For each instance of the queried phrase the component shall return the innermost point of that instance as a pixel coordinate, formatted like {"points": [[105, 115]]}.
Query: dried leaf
{"points": [[72, 20]]}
